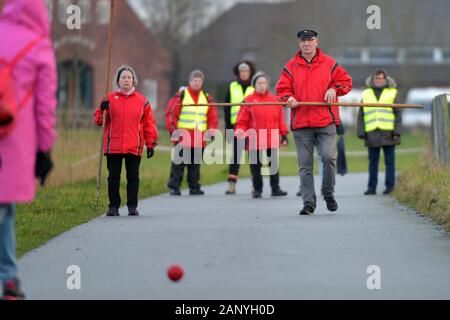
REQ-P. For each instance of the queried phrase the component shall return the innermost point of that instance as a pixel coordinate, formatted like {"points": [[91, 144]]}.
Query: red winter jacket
{"points": [[129, 124], [263, 119], [172, 115], [309, 82]]}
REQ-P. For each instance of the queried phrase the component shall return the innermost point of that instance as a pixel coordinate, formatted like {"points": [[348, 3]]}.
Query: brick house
{"points": [[81, 55]]}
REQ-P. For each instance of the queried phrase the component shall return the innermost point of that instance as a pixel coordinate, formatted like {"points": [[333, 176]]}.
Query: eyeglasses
{"points": [[307, 39]]}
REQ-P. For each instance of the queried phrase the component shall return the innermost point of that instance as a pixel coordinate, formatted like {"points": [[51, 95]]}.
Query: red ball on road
{"points": [[175, 273]]}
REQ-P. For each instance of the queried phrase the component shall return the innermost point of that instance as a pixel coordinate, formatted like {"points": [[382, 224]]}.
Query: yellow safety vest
{"points": [[237, 95], [379, 118], [193, 117]]}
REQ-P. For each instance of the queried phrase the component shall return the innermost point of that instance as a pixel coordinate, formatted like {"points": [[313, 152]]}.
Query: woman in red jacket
{"points": [[263, 126], [129, 126]]}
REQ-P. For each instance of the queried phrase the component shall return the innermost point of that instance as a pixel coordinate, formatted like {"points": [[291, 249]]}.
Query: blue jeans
{"points": [[389, 162], [8, 262]]}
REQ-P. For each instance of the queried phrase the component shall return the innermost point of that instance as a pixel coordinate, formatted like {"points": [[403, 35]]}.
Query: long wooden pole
{"points": [[325, 104], [107, 84]]}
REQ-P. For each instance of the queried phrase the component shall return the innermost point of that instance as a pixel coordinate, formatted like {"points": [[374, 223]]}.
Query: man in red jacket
{"points": [[189, 127], [314, 76]]}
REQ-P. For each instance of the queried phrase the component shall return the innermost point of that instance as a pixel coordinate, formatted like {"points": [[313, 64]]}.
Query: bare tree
{"points": [[173, 22]]}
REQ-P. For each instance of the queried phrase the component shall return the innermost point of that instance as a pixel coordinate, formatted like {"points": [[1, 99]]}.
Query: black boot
{"points": [[278, 193], [133, 212], [370, 192], [307, 210], [112, 212], [331, 202], [256, 194], [174, 192], [196, 192]]}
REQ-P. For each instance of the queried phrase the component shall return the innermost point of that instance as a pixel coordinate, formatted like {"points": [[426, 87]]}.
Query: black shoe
{"points": [[256, 194], [370, 192], [307, 210], [278, 193], [299, 193], [112, 212], [133, 212], [174, 192], [388, 190], [196, 192], [331, 202], [12, 291]]}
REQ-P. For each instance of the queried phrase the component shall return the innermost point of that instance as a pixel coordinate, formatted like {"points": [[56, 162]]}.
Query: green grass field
{"points": [[69, 199]]}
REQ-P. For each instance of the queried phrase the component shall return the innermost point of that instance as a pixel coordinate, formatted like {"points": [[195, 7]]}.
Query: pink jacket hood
{"points": [[31, 14]]}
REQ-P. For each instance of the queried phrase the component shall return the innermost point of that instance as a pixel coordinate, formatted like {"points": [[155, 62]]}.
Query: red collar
{"points": [[317, 58], [261, 95]]}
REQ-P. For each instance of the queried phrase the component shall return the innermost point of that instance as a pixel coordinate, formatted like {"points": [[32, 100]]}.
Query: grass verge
{"points": [[425, 187]]}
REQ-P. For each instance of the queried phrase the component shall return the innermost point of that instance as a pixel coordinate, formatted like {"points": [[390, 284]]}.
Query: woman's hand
{"points": [[330, 95], [284, 141]]}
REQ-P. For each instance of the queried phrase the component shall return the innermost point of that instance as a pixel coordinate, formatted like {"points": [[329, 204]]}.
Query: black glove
{"points": [[150, 153], [104, 105], [340, 130], [44, 165], [284, 141]]}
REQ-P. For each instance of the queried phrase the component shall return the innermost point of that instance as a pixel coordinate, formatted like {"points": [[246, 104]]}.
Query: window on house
{"points": [[446, 55], [75, 85], [103, 11], [62, 10], [383, 55], [347, 55], [420, 55], [86, 12]]}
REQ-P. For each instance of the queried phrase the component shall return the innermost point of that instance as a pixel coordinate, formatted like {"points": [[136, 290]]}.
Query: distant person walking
{"points": [[380, 128], [130, 125], [27, 62]]}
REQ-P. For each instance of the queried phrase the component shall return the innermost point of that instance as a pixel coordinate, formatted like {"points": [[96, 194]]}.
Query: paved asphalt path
{"points": [[235, 247]]}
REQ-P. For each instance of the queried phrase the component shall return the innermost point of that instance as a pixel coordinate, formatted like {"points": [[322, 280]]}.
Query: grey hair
{"points": [[258, 75], [243, 66], [196, 74], [122, 69]]}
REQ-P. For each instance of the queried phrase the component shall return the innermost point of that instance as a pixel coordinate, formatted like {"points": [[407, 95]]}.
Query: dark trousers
{"points": [[233, 170], [192, 162], [132, 163], [255, 169], [389, 162]]}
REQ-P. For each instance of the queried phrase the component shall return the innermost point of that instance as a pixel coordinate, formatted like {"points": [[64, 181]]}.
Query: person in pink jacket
{"points": [[25, 150]]}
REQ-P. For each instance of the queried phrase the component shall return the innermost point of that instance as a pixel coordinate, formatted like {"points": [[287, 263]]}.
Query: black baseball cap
{"points": [[307, 33]]}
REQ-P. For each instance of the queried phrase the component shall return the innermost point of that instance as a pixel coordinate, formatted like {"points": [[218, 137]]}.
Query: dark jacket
{"points": [[227, 110], [380, 138]]}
